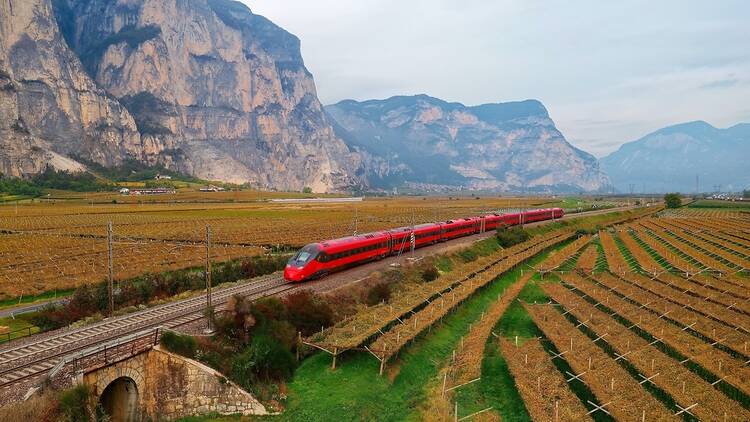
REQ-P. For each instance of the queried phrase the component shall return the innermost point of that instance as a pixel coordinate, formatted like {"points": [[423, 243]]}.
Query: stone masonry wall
{"points": [[171, 386]]}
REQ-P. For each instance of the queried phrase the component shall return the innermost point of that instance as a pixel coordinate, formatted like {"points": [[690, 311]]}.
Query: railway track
{"points": [[32, 359]]}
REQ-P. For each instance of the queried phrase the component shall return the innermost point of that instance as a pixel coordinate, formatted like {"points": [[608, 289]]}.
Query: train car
{"points": [[424, 234], [453, 229], [319, 259], [513, 219], [492, 221]]}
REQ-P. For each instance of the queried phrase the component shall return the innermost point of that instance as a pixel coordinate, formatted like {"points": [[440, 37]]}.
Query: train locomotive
{"points": [[320, 259]]}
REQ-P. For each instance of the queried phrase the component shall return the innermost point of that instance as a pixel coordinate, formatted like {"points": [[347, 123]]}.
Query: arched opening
{"points": [[119, 401]]}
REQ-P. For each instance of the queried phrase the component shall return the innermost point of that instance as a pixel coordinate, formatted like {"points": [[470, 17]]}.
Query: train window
{"points": [[305, 255]]}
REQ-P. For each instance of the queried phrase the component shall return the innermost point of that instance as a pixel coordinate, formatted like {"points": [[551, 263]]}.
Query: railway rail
{"points": [[32, 359]]}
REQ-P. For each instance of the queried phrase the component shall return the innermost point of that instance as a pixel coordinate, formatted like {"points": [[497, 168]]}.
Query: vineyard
{"points": [[652, 319], [46, 247], [385, 337], [418, 306], [644, 319]]}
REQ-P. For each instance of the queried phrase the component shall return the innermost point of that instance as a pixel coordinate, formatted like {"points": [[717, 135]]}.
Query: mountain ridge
{"points": [[499, 146], [670, 158]]}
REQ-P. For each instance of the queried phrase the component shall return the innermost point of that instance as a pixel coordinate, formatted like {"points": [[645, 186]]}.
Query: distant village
{"points": [[165, 190]]}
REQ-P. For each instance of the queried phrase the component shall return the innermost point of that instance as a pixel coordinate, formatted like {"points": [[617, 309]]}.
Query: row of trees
{"points": [[13, 186], [51, 178], [90, 300]]}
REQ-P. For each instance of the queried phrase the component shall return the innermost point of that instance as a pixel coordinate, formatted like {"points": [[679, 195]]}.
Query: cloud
{"points": [[719, 84], [608, 72]]}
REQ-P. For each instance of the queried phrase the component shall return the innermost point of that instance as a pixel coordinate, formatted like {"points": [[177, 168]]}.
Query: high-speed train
{"points": [[319, 259]]}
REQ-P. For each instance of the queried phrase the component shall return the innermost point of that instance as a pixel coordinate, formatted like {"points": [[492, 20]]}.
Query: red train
{"points": [[319, 259]]}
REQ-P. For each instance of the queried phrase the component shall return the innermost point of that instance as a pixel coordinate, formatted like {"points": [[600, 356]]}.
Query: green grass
{"points": [[25, 300], [601, 260], [632, 262], [13, 198], [18, 327], [497, 389], [724, 205], [444, 264], [486, 246]]}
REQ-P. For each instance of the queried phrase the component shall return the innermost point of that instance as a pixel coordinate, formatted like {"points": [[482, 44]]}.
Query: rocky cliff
{"points": [[216, 91], [50, 110], [671, 158], [426, 142], [201, 86]]}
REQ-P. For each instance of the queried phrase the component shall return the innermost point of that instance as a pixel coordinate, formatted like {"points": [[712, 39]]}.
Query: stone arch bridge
{"points": [[150, 383]]}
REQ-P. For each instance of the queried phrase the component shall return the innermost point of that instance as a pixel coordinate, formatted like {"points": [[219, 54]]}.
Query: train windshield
{"points": [[305, 255]]}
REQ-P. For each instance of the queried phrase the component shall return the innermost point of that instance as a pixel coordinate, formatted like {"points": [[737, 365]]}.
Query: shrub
{"points": [[380, 292], [307, 312], [176, 343], [509, 236], [269, 308], [262, 265], [75, 404], [430, 274], [39, 407], [88, 300], [266, 358], [468, 255]]}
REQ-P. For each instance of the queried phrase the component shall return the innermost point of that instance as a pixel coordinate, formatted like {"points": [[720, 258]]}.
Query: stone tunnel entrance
{"points": [[119, 401], [158, 385]]}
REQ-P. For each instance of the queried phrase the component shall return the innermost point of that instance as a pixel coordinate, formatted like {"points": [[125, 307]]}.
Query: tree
{"points": [[673, 200], [746, 193], [307, 189]]}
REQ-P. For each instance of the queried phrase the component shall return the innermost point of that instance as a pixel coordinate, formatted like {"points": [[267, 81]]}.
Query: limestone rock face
{"points": [[50, 110], [216, 91], [432, 144]]}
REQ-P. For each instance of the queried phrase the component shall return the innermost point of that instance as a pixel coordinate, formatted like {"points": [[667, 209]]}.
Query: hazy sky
{"points": [[609, 72]]}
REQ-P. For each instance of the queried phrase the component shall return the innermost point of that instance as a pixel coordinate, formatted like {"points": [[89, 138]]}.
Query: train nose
{"points": [[292, 273]]}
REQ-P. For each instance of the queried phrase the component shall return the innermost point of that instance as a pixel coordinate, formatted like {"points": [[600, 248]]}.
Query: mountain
{"points": [[50, 110], [670, 158], [429, 143], [204, 87]]}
